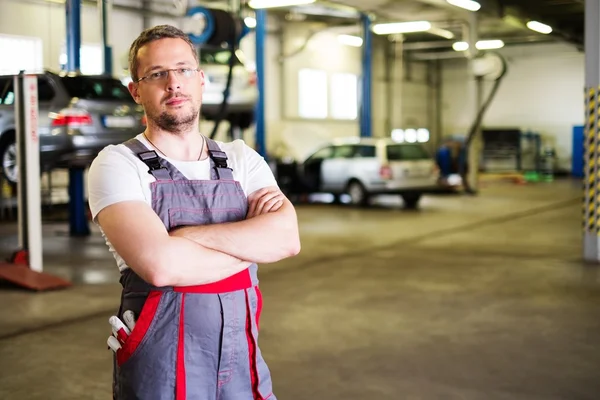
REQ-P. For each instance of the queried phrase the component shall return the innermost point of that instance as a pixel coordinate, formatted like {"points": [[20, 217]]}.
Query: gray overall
{"points": [[193, 342]]}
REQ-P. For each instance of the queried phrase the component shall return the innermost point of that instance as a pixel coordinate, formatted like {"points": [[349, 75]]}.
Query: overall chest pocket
{"points": [[184, 216]]}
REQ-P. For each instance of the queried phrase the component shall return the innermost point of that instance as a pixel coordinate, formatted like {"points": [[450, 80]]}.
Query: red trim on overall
{"points": [[180, 387], [252, 351], [239, 281], [259, 305], [141, 327]]}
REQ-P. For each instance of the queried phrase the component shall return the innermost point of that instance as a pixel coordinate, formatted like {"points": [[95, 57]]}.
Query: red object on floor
{"points": [[20, 257], [23, 276]]}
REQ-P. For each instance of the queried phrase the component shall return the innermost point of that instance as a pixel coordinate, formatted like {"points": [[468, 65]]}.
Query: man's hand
{"points": [[264, 201]]}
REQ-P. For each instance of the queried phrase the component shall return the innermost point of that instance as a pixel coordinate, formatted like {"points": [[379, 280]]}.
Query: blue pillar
{"points": [[73, 34], [261, 39], [78, 223], [106, 49], [367, 73]]}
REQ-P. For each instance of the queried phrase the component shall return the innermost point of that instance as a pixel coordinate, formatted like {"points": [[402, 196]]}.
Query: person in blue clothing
{"points": [[452, 159]]}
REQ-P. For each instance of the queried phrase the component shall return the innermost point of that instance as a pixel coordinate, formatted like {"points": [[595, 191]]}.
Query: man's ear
{"points": [[202, 79], [134, 90]]}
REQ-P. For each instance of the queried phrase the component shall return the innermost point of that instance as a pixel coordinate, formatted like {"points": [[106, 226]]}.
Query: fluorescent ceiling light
{"points": [[539, 27], [250, 22], [481, 45], [466, 4], [489, 44], [277, 3], [350, 40], [401, 27], [460, 46], [441, 32]]}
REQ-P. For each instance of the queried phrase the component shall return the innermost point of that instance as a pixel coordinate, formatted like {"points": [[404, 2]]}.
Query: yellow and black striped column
{"points": [[591, 180]]}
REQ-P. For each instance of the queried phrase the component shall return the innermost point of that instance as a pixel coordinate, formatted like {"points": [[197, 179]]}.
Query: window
{"points": [[344, 96], [96, 88], [7, 95], [321, 96], [365, 152], [20, 53], [406, 152], [322, 154], [312, 93], [346, 151], [45, 90], [91, 59]]}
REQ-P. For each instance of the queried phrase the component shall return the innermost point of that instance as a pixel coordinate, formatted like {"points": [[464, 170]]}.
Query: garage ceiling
{"points": [[497, 19]]}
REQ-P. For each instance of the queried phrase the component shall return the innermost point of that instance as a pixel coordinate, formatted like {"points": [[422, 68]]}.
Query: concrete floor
{"points": [[469, 298]]}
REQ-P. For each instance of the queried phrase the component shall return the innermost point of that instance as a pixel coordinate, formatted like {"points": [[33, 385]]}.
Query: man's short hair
{"points": [[150, 35]]}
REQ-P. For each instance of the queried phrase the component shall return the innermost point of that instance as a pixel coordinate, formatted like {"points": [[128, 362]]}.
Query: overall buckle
{"points": [[219, 157], [151, 159]]}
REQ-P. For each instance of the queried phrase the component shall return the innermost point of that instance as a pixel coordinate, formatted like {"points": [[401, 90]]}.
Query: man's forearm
{"points": [[182, 262], [263, 239]]}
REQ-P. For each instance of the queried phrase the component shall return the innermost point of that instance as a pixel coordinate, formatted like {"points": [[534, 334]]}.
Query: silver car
{"points": [[78, 116], [243, 92], [361, 167]]}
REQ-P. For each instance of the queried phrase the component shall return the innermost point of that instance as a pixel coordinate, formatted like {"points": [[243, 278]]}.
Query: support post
{"points": [[28, 162], [261, 40], [73, 8], [367, 73], [475, 145], [103, 11], [591, 223], [78, 223]]}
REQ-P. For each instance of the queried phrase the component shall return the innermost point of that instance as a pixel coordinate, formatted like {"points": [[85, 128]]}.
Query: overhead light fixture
{"points": [[489, 44], [250, 22], [349, 40], [401, 27], [257, 4], [539, 27], [460, 46], [466, 4], [480, 45], [441, 32]]}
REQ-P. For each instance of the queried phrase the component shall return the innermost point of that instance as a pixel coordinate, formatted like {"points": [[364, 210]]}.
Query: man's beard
{"points": [[174, 123]]}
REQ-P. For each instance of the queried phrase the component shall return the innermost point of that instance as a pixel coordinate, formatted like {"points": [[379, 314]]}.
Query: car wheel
{"points": [[411, 201], [8, 157], [358, 194]]}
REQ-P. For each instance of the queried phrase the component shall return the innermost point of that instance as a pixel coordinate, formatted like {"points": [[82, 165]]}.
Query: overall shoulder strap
{"points": [[150, 158], [218, 159]]}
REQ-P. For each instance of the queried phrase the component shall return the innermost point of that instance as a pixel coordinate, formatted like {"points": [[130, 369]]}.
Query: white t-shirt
{"points": [[117, 175]]}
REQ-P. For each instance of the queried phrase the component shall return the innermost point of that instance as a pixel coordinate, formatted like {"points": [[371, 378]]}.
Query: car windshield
{"points": [[96, 88], [217, 56], [406, 152]]}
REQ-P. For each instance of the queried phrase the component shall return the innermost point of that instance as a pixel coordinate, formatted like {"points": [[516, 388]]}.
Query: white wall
{"points": [[47, 20], [542, 92]]}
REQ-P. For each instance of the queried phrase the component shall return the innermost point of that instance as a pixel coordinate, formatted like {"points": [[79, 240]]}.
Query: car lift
{"points": [[25, 267]]}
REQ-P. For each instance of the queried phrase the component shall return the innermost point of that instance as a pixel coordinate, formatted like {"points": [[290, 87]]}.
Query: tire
{"points": [[227, 28], [411, 201], [8, 158], [358, 194]]}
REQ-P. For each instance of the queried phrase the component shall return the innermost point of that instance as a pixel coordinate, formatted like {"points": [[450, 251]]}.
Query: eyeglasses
{"points": [[186, 73]]}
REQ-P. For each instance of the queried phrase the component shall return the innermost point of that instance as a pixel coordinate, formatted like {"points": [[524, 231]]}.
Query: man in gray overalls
{"points": [[187, 219]]}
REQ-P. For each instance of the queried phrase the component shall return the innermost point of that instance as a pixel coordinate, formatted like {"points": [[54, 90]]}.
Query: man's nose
{"points": [[173, 83]]}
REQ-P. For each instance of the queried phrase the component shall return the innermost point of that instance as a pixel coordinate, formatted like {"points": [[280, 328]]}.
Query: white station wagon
{"points": [[361, 167]]}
